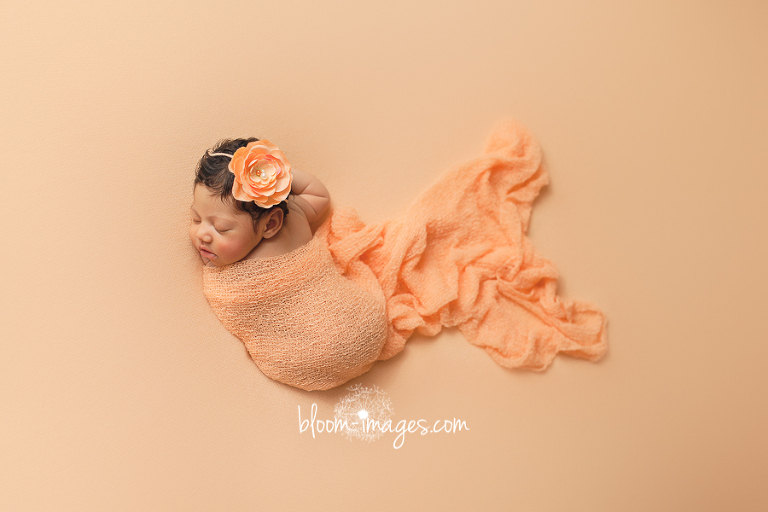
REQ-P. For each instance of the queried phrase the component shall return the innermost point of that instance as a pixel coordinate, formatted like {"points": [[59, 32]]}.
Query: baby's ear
{"points": [[273, 223]]}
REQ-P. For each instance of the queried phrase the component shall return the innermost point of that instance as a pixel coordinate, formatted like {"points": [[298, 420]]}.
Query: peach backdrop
{"points": [[121, 391]]}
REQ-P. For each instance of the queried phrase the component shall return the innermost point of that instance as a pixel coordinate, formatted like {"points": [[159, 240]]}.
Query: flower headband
{"points": [[262, 173]]}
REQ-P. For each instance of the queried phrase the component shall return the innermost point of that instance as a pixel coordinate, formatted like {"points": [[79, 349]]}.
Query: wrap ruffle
{"points": [[460, 257]]}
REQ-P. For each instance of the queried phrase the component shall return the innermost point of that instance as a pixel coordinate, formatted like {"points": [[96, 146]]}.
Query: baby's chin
{"points": [[212, 262], [215, 262]]}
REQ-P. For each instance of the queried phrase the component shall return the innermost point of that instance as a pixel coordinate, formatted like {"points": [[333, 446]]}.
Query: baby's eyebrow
{"points": [[214, 217]]}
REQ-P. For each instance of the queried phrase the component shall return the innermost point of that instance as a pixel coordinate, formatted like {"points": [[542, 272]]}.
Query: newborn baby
{"points": [[316, 308], [267, 278]]}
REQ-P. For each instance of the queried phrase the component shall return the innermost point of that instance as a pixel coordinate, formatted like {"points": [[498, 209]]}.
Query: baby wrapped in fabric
{"points": [[324, 313]]}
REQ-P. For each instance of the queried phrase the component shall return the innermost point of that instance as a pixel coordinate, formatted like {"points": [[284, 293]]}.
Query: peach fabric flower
{"points": [[262, 174]]}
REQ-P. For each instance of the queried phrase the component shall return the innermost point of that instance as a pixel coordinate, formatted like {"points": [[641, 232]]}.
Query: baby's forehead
{"points": [[212, 204]]}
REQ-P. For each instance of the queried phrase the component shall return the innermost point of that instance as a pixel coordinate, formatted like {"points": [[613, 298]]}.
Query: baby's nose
{"points": [[203, 234]]}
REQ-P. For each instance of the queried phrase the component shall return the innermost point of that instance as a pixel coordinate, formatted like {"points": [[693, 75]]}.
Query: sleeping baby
{"points": [[317, 296]]}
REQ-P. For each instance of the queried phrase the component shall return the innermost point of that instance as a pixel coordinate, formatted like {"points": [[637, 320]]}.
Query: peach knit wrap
{"points": [[458, 257]]}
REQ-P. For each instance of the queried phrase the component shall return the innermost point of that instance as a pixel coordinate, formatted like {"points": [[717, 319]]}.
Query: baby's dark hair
{"points": [[213, 172]]}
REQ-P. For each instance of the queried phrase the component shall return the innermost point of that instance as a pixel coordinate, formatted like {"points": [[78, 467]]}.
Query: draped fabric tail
{"points": [[460, 257]]}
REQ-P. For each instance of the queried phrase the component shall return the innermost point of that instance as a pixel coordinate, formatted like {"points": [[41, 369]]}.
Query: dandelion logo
{"points": [[364, 412]]}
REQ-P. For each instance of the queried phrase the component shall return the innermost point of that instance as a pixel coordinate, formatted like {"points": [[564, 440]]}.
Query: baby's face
{"points": [[221, 234]]}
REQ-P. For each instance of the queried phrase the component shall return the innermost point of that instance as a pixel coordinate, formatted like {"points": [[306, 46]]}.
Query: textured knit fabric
{"points": [[458, 257], [303, 323]]}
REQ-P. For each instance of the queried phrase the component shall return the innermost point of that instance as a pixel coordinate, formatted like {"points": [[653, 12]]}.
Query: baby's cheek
{"points": [[229, 249]]}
